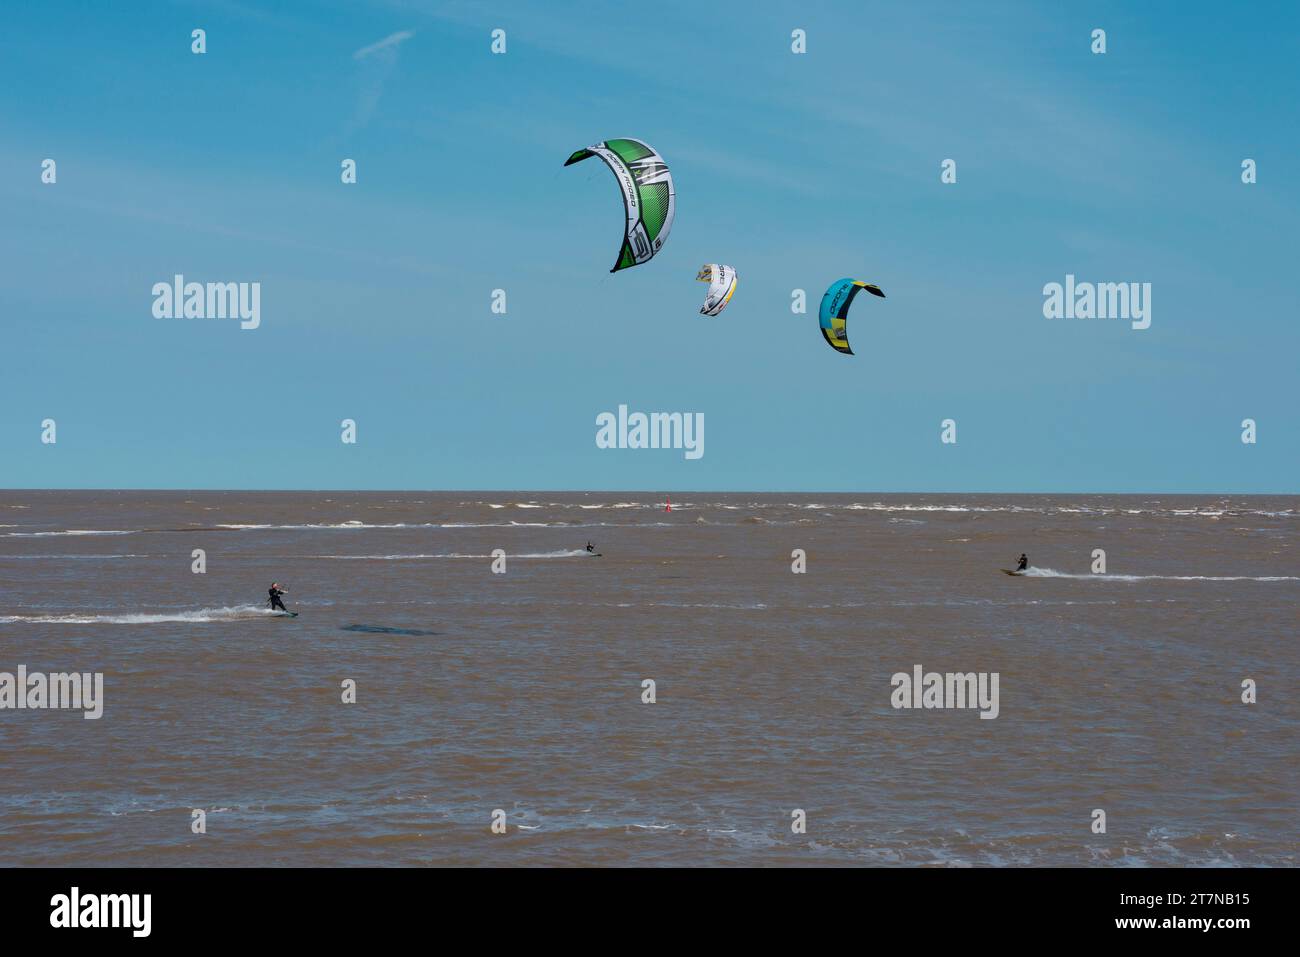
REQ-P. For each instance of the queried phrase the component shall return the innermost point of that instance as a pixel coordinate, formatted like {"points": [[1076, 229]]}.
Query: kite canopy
{"points": [[647, 189], [722, 283], [835, 307]]}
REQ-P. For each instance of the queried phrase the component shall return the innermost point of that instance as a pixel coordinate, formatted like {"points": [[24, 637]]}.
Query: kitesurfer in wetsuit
{"points": [[1023, 563], [591, 547], [275, 592]]}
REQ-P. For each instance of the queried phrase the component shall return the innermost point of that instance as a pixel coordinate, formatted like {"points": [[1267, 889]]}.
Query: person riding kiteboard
{"points": [[275, 592]]}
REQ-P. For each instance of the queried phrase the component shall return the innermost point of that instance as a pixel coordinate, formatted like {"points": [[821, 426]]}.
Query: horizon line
{"points": [[641, 491]]}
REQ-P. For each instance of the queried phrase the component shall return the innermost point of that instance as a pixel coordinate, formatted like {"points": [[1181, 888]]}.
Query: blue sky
{"points": [[796, 169]]}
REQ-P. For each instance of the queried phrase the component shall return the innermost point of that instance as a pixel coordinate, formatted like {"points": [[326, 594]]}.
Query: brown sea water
{"points": [[522, 691]]}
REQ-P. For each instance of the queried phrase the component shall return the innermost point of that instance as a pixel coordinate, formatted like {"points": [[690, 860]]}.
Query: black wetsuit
{"points": [[1022, 564], [275, 594]]}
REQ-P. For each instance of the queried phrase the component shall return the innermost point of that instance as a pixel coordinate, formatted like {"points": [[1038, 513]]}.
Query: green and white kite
{"points": [[647, 189]]}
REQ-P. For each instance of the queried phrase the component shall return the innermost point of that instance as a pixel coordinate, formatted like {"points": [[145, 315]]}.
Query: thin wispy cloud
{"points": [[386, 47], [378, 61]]}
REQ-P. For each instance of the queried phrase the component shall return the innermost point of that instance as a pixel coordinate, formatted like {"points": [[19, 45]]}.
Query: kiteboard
{"points": [[1008, 571], [285, 614]]}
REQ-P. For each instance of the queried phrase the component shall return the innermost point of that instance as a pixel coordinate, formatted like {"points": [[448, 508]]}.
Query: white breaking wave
{"points": [[561, 525], [230, 613], [352, 523], [656, 505], [564, 553], [1032, 572], [511, 524], [355, 526], [96, 558], [72, 531]]}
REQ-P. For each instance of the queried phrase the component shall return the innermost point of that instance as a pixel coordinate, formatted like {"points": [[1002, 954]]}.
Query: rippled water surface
{"points": [[522, 691]]}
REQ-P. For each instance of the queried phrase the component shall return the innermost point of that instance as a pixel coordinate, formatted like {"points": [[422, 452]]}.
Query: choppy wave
{"points": [[1153, 509], [1033, 572], [769, 512], [318, 526], [760, 512], [229, 613]]}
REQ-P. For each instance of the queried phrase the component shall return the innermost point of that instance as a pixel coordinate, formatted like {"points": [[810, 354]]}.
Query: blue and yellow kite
{"points": [[835, 307]]}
